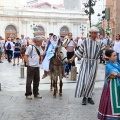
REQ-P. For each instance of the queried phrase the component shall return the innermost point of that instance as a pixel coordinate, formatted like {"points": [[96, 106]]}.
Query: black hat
{"points": [[51, 34]]}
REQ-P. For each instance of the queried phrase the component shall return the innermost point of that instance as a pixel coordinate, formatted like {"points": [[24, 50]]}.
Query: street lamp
{"points": [[34, 27], [89, 8], [99, 18]]}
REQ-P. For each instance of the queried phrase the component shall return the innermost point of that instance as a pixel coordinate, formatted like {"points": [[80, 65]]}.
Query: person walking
{"points": [[109, 107], [104, 41], [116, 47], [32, 59], [17, 47], [23, 41], [9, 49], [1, 48], [90, 52]]}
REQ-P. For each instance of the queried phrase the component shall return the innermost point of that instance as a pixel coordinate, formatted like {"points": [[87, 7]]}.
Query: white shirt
{"points": [[11, 43], [23, 42], [33, 57], [104, 41], [80, 41], [117, 47]]}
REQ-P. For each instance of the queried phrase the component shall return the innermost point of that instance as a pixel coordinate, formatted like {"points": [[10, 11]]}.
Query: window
{"points": [[64, 29], [10, 28], [39, 29]]}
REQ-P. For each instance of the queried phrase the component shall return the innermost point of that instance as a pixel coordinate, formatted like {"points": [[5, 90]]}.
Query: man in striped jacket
{"points": [[90, 52]]}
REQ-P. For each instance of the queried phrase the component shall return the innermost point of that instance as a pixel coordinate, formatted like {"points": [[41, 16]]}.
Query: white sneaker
{"points": [[29, 97], [38, 96]]}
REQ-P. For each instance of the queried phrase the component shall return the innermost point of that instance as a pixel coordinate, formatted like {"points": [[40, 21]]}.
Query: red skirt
{"points": [[105, 108]]}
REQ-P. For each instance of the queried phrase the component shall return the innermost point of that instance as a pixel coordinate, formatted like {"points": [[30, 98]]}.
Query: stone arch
{"points": [[39, 31], [64, 31]]}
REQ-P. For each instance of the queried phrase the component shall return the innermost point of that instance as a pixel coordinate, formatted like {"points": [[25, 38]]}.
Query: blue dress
{"points": [[49, 54]]}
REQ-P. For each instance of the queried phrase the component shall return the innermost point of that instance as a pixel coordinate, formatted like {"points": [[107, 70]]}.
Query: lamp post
{"points": [[89, 8], [34, 27], [99, 18]]}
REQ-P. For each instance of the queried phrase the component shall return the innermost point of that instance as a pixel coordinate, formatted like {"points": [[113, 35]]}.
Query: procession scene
{"points": [[59, 59]]}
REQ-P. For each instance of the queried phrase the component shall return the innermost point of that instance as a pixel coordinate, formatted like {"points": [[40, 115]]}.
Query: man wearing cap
{"points": [[32, 57], [90, 52]]}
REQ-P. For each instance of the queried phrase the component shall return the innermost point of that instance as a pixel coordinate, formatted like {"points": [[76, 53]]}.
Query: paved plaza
{"points": [[14, 106]]}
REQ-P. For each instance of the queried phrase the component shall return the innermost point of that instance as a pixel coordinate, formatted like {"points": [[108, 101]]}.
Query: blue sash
{"points": [[47, 48]]}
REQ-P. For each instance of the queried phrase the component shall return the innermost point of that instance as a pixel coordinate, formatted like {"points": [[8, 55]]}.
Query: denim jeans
{"points": [[9, 55]]}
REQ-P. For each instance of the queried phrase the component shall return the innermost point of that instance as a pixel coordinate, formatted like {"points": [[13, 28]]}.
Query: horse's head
{"points": [[62, 54]]}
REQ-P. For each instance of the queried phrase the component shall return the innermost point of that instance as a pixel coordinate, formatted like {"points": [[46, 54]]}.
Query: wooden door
{"points": [[64, 33], [39, 34], [10, 34]]}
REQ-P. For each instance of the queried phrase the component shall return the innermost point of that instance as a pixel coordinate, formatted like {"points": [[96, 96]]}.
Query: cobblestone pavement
{"points": [[14, 106]]}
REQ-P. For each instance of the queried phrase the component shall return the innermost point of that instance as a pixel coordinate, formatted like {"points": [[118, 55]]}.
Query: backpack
{"points": [[38, 52], [9, 46]]}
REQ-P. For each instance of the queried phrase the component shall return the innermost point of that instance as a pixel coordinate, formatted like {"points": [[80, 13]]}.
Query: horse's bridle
{"points": [[61, 60]]}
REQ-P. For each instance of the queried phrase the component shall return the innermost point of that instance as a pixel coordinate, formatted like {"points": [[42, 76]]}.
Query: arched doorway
{"points": [[64, 31], [10, 31], [39, 31]]}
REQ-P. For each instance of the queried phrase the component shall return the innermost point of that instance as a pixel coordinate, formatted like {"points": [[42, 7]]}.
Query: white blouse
{"points": [[117, 46]]}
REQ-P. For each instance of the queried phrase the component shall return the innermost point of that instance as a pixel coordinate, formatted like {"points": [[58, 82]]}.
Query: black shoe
{"points": [[13, 64], [67, 73], [84, 102], [90, 100]]}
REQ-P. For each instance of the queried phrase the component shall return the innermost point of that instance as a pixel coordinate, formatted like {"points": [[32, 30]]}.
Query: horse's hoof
{"points": [[51, 89], [54, 95], [60, 94]]}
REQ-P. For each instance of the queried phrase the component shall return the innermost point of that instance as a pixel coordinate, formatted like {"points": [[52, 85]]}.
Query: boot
{"points": [[90, 100], [84, 101]]}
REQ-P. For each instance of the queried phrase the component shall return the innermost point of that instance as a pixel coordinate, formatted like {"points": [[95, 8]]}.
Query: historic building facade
{"points": [[114, 16], [30, 21]]}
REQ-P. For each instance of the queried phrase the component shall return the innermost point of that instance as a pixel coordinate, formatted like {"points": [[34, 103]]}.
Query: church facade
{"points": [[16, 20]]}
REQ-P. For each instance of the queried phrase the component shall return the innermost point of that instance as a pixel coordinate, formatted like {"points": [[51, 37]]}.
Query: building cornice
{"points": [[40, 13]]}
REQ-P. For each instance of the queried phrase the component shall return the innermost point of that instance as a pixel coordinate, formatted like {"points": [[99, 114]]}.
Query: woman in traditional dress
{"points": [[109, 107], [49, 53]]}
